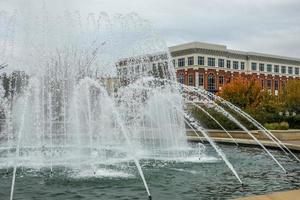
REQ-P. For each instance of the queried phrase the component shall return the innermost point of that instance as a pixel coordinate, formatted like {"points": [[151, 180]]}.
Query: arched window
{"points": [[181, 78], [211, 82]]}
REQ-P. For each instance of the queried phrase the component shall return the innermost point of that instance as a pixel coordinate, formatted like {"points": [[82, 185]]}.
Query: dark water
{"points": [[171, 180]]}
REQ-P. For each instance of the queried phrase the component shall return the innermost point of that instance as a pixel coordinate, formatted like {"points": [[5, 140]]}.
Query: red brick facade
{"points": [[268, 82]]}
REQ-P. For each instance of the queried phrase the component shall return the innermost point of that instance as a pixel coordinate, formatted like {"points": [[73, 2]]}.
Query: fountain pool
{"points": [[205, 179]]}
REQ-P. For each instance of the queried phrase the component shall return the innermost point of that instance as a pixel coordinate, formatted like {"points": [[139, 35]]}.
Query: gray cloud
{"points": [[270, 26]]}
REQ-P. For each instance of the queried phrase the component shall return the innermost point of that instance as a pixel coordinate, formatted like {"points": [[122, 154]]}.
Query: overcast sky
{"points": [[268, 26]]}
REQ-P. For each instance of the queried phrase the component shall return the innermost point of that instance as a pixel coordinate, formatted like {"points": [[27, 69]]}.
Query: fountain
{"points": [[60, 117]]}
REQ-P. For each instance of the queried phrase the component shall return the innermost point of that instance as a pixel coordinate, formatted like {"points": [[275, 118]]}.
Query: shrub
{"points": [[265, 117], [208, 123], [294, 121], [277, 126]]}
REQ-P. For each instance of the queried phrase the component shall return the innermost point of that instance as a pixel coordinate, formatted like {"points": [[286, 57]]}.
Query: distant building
{"points": [[156, 65], [210, 66]]}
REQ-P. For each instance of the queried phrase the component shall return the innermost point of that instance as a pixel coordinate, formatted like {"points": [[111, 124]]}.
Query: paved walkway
{"points": [[293, 142], [290, 195]]}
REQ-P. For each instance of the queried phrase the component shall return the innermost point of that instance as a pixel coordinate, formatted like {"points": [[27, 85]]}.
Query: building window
{"points": [[235, 64], [200, 60], [221, 80], [242, 65], [131, 70], [221, 62], [181, 78], [211, 82], [290, 70], [283, 84], [276, 68], [262, 82], [269, 84], [173, 62], [283, 69], [269, 68], [228, 64], [154, 68], [261, 67], [228, 80], [190, 79], [160, 70], [125, 71], [201, 79], [253, 66], [211, 62], [144, 67], [276, 85], [297, 70], [181, 62], [137, 69], [166, 66], [191, 61]]}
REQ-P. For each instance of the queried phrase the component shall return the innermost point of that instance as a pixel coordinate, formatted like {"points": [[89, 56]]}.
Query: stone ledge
{"points": [[283, 135], [294, 147]]}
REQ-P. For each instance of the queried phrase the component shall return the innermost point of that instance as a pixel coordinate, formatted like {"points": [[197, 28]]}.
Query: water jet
{"points": [[94, 104]]}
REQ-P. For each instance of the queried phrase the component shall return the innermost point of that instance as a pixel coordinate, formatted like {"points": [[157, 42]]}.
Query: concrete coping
{"points": [[291, 146]]}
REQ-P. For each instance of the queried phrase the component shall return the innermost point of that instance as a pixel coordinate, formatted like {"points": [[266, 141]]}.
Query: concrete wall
{"points": [[283, 135]]}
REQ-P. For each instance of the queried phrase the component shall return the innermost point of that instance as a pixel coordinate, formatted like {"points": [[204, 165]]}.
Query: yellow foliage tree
{"points": [[291, 95]]}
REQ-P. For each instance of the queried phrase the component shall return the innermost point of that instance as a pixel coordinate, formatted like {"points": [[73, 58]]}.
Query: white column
{"points": [[196, 79]]}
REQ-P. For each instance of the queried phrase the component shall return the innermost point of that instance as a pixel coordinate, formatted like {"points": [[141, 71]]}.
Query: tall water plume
{"points": [[64, 103]]}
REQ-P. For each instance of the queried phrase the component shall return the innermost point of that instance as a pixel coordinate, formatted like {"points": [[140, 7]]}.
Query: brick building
{"points": [[210, 66]]}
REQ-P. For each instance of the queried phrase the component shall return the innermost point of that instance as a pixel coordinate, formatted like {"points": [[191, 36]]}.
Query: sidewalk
{"points": [[290, 195]]}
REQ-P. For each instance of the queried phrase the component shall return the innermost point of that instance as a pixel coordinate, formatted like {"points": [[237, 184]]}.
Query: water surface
{"points": [[208, 178]]}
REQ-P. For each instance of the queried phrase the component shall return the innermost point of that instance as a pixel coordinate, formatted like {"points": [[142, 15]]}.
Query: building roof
{"points": [[221, 50], [199, 45]]}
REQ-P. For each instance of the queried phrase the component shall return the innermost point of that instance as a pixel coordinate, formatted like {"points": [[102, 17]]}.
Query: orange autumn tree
{"points": [[252, 98], [242, 92]]}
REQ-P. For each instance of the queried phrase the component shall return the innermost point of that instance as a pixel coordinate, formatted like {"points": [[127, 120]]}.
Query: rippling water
{"points": [[208, 178]]}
